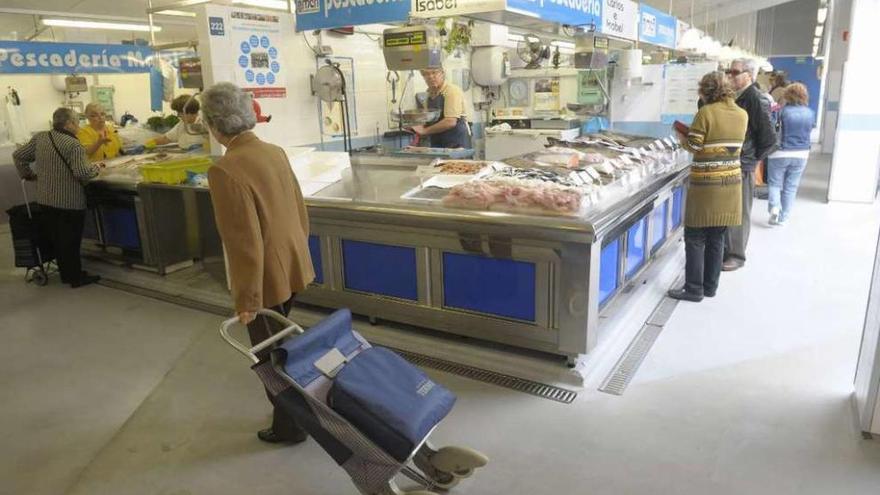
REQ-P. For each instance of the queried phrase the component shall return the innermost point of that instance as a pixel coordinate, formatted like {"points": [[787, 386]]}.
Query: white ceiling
{"points": [[705, 12]]}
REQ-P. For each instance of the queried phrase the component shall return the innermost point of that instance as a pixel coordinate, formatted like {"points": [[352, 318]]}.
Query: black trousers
{"points": [[64, 229], [259, 330], [704, 253]]}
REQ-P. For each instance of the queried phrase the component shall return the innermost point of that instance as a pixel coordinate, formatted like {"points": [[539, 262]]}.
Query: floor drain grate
{"points": [[630, 360], [169, 298], [537, 389]]}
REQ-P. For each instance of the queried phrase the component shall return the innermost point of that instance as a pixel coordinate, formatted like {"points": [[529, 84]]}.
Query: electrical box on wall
{"points": [[104, 96], [589, 90]]}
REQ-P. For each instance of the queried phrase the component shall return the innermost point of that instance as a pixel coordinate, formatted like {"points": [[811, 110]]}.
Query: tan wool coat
{"points": [[262, 219]]}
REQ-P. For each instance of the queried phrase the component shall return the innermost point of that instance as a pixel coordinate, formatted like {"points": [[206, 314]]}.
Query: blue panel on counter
{"points": [[658, 221], [380, 269], [489, 285], [90, 227], [677, 211], [315, 252], [635, 246], [120, 227], [608, 270]]}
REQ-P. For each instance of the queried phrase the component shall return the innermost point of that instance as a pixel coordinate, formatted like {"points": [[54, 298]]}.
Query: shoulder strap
{"points": [[63, 159]]}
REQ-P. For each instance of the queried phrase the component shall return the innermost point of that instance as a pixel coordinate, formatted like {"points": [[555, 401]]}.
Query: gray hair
{"points": [[227, 109], [62, 116], [749, 65], [93, 107]]}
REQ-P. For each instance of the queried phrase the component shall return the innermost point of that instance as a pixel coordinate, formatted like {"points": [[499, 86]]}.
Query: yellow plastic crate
{"points": [[174, 171]]}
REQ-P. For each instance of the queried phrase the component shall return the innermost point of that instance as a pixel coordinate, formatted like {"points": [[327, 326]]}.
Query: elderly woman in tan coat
{"points": [[263, 222]]}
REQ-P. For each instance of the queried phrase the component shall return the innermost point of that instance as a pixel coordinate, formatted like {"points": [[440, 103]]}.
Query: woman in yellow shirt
{"points": [[99, 138]]}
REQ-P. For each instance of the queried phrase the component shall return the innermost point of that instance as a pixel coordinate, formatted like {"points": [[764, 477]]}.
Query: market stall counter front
{"points": [[389, 245], [531, 281]]}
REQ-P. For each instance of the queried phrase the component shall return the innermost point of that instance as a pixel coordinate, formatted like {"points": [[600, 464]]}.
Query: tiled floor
{"points": [[105, 392]]}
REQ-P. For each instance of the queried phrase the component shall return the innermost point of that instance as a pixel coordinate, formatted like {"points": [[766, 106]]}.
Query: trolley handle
{"points": [[251, 352], [27, 203]]}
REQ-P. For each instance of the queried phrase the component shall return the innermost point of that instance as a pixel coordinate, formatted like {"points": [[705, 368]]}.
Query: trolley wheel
{"points": [[464, 473], [40, 277]]}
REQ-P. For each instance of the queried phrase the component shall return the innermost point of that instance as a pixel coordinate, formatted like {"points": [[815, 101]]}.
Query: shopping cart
{"points": [[33, 250], [311, 377]]}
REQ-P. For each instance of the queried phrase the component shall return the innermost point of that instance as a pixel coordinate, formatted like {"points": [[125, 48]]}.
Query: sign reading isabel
{"points": [[620, 18], [571, 12], [656, 27], [327, 14], [27, 57], [434, 8]]}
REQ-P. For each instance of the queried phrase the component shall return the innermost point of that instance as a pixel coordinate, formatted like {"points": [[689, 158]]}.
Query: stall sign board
{"points": [[327, 14], [443, 8], [571, 12], [656, 27], [620, 18], [253, 45], [32, 57]]}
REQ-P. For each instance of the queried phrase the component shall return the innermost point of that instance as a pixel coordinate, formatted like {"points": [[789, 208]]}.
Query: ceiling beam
{"points": [[85, 15], [729, 10]]}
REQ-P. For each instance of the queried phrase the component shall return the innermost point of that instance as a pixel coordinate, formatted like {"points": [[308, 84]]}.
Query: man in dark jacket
{"points": [[760, 142]]}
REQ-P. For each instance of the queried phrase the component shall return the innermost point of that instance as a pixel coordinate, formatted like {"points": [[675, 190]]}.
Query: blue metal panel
{"points": [[380, 269], [677, 211], [636, 237], [489, 285], [608, 270], [120, 227], [658, 220], [315, 252]]}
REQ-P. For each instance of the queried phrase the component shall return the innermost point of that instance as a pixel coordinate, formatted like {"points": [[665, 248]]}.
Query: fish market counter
{"points": [[388, 247], [156, 227], [531, 281]]}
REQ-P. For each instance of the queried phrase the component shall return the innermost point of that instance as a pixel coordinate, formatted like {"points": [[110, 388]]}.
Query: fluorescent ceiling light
{"points": [[176, 13], [563, 44], [818, 31], [113, 26], [266, 4], [821, 14], [515, 37]]}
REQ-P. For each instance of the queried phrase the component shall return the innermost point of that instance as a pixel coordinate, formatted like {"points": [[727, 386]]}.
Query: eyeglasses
{"points": [[733, 72]]}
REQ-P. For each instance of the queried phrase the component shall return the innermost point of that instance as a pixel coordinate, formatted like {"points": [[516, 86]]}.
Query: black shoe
{"points": [[269, 436], [85, 280], [731, 266], [683, 295], [707, 293]]}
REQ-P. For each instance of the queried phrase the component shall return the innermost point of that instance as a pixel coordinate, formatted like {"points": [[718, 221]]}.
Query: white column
{"points": [[855, 167]]}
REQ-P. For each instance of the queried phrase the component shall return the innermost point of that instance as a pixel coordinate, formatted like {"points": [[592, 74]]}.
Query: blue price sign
{"points": [[243, 61], [255, 42], [216, 26], [245, 47], [261, 79], [270, 78], [273, 52], [249, 75], [264, 42], [275, 67]]}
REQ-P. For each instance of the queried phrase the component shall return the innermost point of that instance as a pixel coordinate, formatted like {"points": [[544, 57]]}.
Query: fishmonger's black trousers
{"points": [[704, 253]]}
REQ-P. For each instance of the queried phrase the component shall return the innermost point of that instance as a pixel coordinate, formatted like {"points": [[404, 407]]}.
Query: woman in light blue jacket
{"points": [[786, 165]]}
